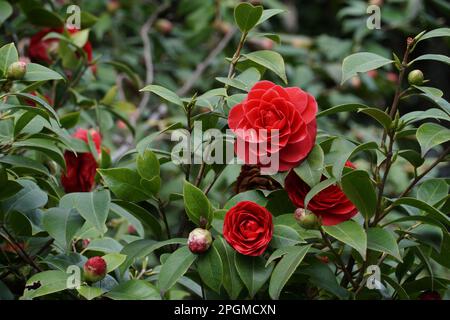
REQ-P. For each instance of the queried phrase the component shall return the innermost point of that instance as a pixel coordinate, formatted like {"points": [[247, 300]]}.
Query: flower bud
{"points": [[16, 70], [415, 77], [430, 295], [164, 26], [94, 269], [199, 240], [307, 220]]}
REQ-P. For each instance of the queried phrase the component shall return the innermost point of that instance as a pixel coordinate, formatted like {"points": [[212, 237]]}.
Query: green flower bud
{"points": [[307, 220], [415, 77], [16, 70]]}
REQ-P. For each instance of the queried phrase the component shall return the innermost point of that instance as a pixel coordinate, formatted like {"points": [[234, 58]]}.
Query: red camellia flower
{"points": [[267, 106], [81, 167], [331, 204], [248, 228], [41, 50]]}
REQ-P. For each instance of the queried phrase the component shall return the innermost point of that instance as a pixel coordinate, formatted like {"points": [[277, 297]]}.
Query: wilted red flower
{"points": [[248, 228], [41, 50], [81, 167], [331, 204], [287, 113]]}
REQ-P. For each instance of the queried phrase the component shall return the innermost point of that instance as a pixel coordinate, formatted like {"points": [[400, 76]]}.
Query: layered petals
{"points": [[275, 121]]}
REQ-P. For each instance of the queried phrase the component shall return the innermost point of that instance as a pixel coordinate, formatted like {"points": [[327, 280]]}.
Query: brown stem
{"points": [[339, 260]]}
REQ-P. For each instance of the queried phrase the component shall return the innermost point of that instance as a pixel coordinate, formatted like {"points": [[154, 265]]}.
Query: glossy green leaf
{"points": [[164, 93], [253, 272], [350, 233], [125, 183], [284, 270], [430, 135], [8, 55], [49, 282], [231, 281], [36, 72], [176, 265], [358, 187], [361, 62], [247, 16], [196, 204], [269, 59], [5, 11], [92, 206], [310, 170], [382, 240], [134, 290], [285, 236], [113, 261], [210, 269], [62, 225]]}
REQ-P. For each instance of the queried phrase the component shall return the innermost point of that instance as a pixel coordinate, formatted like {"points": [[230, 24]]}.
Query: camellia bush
{"points": [[179, 186]]}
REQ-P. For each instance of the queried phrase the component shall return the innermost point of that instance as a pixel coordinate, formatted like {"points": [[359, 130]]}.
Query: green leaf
{"points": [[196, 204], [30, 197], [434, 92], [5, 11], [255, 196], [269, 59], [416, 203], [358, 187], [164, 93], [231, 281], [134, 290], [382, 240], [247, 16], [432, 191], [435, 57], [253, 272], [147, 218], [412, 156], [210, 269], [125, 183], [70, 119], [8, 55], [45, 146], [62, 225], [90, 293], [351, 233], [440, 32], [49, 282], [310, 170], [24, 163], [432, 113], [92, 206], [131, 219], [284, 270], [39, 101], [378, 115], [317, 188], [147, 165], [113, 261], [269, 13], [285, 236], [36, 72], [430, 135], [44, 18], [105, 244], [361, 62], [341, 108], [176, 265]]}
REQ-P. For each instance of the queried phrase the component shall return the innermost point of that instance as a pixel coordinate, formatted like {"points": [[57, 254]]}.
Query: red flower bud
{"points": [[16, 70], [164, 26], [430, 295], [199, 240], [94, 269]]}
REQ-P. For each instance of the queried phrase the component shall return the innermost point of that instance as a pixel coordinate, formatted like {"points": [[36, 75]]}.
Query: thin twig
{"points": [[218, 48]]}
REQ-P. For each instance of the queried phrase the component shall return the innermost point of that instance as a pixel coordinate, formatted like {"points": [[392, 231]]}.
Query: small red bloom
{"points": [[248, 228], [199, 240], [430, 295], [81, 167], [331, 204], [41, 50], [289, 114]]}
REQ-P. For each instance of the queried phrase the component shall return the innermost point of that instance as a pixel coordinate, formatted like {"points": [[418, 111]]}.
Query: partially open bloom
{"points": [[81, 167], [248, 228], [94, 269], [43, 50], [330, 204], [274, 122]]}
